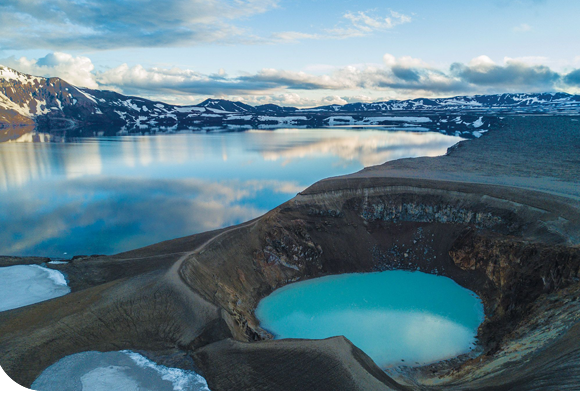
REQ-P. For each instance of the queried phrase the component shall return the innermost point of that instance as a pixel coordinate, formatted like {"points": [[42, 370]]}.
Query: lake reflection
{"points": [[107, 195]]}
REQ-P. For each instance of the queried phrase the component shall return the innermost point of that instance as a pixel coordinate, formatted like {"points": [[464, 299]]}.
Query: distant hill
{"points": [[273, 108], [226, 105], [534, 102], [52, 103]]}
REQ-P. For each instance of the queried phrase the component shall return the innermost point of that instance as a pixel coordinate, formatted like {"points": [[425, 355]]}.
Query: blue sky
{"points": [[300, 52]]}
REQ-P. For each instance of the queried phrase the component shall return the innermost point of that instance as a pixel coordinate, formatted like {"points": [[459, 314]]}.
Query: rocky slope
{"points": [[53, 104], [517, 247]]}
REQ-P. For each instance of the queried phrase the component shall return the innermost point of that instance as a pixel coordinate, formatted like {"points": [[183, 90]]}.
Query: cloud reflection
{"points": [[368, 148], [21, 163], [98, 215], [23, 134], [104, 195]]}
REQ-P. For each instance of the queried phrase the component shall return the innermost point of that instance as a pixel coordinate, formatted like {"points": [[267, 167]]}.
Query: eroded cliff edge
{"points": [[516, 245], [499, 215]]}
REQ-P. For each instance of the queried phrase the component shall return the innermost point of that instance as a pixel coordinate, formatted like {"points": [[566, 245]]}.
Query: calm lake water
{"points": [[111, 194], [396, 317]]}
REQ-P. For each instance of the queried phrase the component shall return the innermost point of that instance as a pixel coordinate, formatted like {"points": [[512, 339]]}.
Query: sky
{"points": [[296, 52]]}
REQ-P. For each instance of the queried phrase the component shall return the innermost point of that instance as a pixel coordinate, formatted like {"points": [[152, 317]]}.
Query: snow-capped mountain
{"points": [[275, 109], [52, 103], [218, 105], [536, 102]]}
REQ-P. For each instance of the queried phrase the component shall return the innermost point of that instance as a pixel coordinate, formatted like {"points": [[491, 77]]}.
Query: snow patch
{"points": [[22, 285], [189, 109], [88, 96], [129, 104], [115, 371], [215, 110], [181, 379], [478, 123], [9, 104], [239, 117], [281, 120], [10, 74], [376, 120], [56, 276]]}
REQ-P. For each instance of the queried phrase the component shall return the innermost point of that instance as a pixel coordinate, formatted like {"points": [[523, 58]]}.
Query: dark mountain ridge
{"points": [[53, 104], [529, 102]]}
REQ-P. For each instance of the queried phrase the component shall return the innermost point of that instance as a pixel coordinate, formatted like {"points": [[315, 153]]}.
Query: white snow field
{"points": [[22, 285]]}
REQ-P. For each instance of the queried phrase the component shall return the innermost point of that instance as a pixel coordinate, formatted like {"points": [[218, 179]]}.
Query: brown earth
{"points": [[500, 215]]}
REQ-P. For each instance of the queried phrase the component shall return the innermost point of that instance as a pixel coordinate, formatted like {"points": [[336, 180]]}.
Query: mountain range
{"points": [[54, 104]]}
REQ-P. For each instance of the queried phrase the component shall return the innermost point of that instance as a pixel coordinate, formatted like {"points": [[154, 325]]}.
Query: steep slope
{"points": [[53, 103], [25, 97]]}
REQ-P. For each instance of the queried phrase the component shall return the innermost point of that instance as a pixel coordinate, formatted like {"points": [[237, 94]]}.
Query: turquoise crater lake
{"points": [[396, 317]]}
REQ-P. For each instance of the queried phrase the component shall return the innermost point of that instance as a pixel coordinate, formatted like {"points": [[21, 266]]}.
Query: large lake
{"points": [[106, 195]]}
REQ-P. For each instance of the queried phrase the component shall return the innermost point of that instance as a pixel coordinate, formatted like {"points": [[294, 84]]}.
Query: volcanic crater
{"points": [[487, 215]]}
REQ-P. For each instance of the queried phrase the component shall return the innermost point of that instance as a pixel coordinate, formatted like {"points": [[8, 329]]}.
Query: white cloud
{"points": [[291, 100], [361, 99], [140, 80], [334, 100], [399, 77], [405, 61], [367, 148], [320, 68], [353, 24], [514, 75], [481, 63], [75, 70], [292, 36], [362, 24], [361, 20], [530, 60], [522, 28], [138, 76], [109, 24]]}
